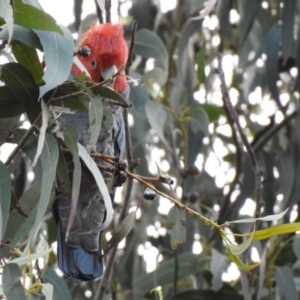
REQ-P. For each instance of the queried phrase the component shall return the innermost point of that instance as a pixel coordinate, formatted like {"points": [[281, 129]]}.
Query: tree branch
{"points": [[250, 151]]}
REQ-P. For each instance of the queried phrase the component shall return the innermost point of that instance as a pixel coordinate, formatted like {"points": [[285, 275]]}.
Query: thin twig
{"points": [[250, 151], [130, 53], [107, 10]]}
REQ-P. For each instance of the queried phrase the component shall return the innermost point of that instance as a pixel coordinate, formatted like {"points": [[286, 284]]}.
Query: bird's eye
{"points": [[93, 64]]}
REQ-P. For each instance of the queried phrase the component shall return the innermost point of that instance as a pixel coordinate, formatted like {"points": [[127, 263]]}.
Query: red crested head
{"points": [[105, 47]]}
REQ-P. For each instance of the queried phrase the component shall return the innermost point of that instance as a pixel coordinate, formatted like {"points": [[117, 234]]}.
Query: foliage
{"points": [[180, 126]]}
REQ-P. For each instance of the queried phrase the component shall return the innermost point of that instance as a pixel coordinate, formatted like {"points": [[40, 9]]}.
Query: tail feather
{"points": [[77, 263]]}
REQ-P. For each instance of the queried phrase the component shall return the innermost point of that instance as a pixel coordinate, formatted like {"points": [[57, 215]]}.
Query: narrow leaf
{"points": [[177, 231], [12, 286], [241, 248], [71, 138], [276, 230], [266, 218], [5, 187], [240, 264], [95, 120], [288, 17], [42, 135], [122, 230], [49, 158], [23, 260], [26, 205], [218, 265], [91, 165], [201, 63]]}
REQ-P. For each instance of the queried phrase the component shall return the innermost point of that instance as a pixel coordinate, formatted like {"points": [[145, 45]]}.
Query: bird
{"points": [[102, 48]]}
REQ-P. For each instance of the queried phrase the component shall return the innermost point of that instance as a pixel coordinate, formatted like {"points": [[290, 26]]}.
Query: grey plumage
{"points": [[80, 256]]}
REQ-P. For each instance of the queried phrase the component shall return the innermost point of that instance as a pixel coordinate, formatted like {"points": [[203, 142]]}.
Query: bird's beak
{"points": [[109, 72]]}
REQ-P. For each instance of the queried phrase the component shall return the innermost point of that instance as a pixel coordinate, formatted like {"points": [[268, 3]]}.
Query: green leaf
{"points": [[276, 230], [10, 105], [31, 17], [6, 125], [241, 248], [47, 290], [285, 281], [157, 116], [176, 230], [12, 286], [138, 94], [95, 121], [62, 173], [109, 93], [213, 112], [240, 264], [218, 266], [27, 57], [25, 258], [49, 158], [61, 290], [287, 39], [6, 13], [188, 264], [266, 218], [27, 204], [58, 50], [208, 295], [30, 149], [22, 34], [20, 81], [149, 45], [199, 120], [5, 187], [201, 63], [91, 165], [42, 135], [122, 230], [71, 138]]}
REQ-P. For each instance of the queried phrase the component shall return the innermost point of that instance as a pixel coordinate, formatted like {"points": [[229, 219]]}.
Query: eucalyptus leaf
{"points": [[266, 218], [12, 286], [49, 158], [61, 290], [5, 187], [285, 280], [176, 230], [157, 116], [27, 56], [122, 230], [95, 120], [22, 84], [71, 141], [38, 19], [58, 50]]}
